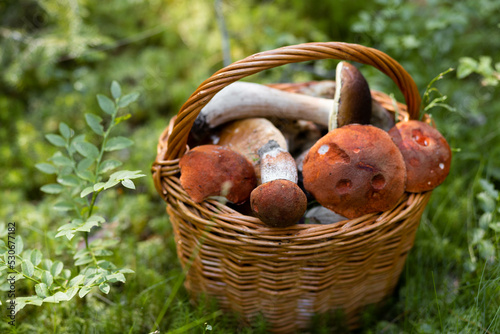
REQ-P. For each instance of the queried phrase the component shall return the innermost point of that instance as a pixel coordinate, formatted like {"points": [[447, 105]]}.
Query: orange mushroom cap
{"points": [[355, 170], [213, 170], [426, 153]]}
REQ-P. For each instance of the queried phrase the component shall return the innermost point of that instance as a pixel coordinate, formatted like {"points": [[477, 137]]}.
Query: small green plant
{"points": [[433, 98], [484, 67], [482, 243], [82, 174]]}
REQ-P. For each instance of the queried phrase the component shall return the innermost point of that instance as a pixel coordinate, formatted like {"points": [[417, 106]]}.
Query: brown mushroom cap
{"points": [[355, 170], [426, 153], [278, 211], [353, 99], [212, 170]]}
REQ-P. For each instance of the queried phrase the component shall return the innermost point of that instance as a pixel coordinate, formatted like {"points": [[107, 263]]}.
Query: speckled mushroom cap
{"points": [[355, 170], [278, 203], [213, 170], [426, 153]]}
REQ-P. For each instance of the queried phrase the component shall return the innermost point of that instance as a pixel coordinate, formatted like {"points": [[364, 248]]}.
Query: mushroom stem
{"points": [[278, 201], [244, 100]]}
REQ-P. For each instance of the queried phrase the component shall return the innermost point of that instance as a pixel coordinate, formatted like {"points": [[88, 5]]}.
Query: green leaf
{"points": [[84, 164], [56, 298], [118, 143], [111, 183], [87, 149], [120, 119], [41, 290], [91, 222], [128, 184], [52, 188], [126, 271], [495, 226], [116, 90], [64, 206], [466, 66], [72, 292], [69, 180], [98, 186], [27, 268], [106, 104], [47, 278], [85, 175], [127, 99], [56, 268], [118, 277], [104, 287], [36, 257], [84, 291], [46, 168], [56, 140], [65, 130], [61, 160], [487, 250], [477, 235], [94, 122], [126, 174], [77, 280], [19, 244], [83, 260], [86, 191], [108, 165]]}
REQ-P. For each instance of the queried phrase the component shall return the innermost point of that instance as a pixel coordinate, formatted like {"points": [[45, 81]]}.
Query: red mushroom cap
{"points": [[426, 153], [282, 210], [212, 170], [355, 170]]}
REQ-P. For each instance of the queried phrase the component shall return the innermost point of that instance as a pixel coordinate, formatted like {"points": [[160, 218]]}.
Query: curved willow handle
{"points": [[290, 54]]}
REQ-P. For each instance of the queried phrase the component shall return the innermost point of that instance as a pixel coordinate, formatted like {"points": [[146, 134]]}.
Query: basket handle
{"points": [[177, 140]]}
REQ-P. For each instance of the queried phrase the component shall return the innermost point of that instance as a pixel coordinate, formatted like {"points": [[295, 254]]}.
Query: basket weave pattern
{"points": [[287, 274]]}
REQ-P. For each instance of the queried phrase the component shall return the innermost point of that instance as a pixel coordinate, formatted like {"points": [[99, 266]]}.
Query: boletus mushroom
{"points": [[241, 100], [214, 170], [278, 201], [355, 170], [426, 153], [247, 136]]}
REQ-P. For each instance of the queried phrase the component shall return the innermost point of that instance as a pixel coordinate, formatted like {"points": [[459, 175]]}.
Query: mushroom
{"points": [[213, 170], [426, 153], [278, 201], [243, 100], [248, 135], [355, 170]]}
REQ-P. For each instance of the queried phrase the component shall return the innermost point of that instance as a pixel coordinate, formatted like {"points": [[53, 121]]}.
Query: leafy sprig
{"points": [[82, 173]]}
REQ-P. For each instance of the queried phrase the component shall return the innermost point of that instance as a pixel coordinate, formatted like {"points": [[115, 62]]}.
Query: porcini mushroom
{"points": [[248, 135], [244, 100], [213, 170], [354, 170], [278, 201], [426, 153]]}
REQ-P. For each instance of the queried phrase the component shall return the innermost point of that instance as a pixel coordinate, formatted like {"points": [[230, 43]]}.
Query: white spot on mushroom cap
{"points": [[441, 165], [323, 149]]}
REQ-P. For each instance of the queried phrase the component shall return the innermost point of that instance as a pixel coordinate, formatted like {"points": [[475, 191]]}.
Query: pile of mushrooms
{"points": [[287, 157]]}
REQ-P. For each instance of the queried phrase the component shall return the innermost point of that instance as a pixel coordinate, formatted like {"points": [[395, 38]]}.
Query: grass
{"points": [[451, 279]]}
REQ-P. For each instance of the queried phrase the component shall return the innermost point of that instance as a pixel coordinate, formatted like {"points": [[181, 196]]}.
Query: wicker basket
{"points": [[287, 274]]}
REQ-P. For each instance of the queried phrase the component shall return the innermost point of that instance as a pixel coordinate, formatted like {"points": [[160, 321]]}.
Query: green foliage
{"points": [[55, 57], [80, 169]]}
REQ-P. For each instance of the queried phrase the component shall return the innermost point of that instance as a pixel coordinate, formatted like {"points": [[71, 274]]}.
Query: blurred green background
{"points": [[56, 55]]}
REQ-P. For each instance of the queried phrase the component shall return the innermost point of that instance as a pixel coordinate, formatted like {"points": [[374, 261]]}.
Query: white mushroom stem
{"points": [[276, 164], [244, 100]]}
